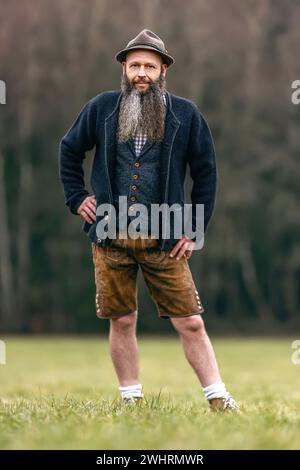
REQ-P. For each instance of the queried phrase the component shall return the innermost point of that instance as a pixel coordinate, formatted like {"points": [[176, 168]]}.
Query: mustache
{"points": [[129, 85], [141, 80]]}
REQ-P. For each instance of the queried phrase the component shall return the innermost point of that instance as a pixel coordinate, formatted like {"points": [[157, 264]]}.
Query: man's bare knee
{"points": [[124, 323], [192, 324]]}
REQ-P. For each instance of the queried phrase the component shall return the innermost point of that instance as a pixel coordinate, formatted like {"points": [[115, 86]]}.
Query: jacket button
{"points": [[99, 241], [135, 177], [133, 198], [133, 187], [137, 164]]}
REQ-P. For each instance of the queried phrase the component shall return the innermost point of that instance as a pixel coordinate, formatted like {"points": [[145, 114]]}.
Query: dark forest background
{"points": [[236, 60]]}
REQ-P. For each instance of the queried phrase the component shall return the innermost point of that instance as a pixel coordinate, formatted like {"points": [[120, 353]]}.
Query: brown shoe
{"points": [[132, 400], [224, 404]]}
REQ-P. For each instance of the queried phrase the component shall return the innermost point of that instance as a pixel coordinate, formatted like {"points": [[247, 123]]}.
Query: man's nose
{"points": [[141, 72]]}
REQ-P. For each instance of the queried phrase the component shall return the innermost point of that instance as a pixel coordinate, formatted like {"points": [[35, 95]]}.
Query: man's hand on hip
{"points": [[87, 209], [184, 245]]}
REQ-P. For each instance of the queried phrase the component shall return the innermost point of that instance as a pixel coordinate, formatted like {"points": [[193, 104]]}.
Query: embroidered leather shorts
{"points": [[170, 281]]}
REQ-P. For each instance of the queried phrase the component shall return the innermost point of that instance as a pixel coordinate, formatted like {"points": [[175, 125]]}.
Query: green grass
{"points": [[59, 393]]}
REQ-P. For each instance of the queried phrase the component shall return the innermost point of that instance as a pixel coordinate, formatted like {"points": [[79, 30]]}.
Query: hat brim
{"points": [[121, 55]]}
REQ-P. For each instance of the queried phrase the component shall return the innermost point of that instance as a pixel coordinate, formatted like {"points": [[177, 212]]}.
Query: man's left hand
{"points": [[184, 245]]}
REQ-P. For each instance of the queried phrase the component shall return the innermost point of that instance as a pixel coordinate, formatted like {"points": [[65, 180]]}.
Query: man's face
{"points": [[143, 67]]}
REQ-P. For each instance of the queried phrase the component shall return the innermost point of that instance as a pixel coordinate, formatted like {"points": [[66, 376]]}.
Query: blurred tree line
{"points": [[236, 60]]}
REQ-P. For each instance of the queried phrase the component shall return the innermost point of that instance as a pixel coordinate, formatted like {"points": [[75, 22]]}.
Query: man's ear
{"points": [[164, 69], [124, 66]]}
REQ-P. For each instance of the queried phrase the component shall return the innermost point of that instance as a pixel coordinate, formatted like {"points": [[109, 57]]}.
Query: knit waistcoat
{"points": [[137, 177]]}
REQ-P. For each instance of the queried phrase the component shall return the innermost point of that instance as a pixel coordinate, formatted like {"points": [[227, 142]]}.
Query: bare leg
{"points": [[198, 348], [124, 349]]}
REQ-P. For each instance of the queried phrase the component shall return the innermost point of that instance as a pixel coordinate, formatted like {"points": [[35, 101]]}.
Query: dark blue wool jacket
{"points": [[187, 140]]}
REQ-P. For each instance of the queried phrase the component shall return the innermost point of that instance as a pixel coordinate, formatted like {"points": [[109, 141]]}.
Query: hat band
{"points": [[148, 45]]}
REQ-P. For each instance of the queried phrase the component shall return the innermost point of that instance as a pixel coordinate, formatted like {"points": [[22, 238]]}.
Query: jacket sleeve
{"points": [[202, 162], [79, 139]]}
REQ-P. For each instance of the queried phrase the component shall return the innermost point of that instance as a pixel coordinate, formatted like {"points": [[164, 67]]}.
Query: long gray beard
{"points": [[143, 112]]}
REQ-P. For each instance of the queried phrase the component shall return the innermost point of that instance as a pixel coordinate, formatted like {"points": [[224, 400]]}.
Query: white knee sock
{"points": [[216, 390], [132, 391]]}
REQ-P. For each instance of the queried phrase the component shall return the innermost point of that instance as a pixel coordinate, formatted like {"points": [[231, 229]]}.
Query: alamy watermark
{"points": [[2, 92], [2, 352], [295, 96], [155, 221], [296, 354]]}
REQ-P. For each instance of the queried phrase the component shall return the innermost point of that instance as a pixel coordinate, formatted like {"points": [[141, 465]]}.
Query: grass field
{"points": [[59, 393]]}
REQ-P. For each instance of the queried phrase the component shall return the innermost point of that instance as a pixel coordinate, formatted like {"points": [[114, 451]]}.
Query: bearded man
{"points": [[144, 139]]}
